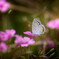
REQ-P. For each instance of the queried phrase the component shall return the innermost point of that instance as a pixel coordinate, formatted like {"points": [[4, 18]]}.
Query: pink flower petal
{"points": [[31, 42], [27, 32], [4, 5], [11, 32], [3, 46], [3, 36], [24, 45], [53, 24]]}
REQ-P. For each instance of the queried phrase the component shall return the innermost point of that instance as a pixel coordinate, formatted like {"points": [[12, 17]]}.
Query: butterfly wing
{"points": [[37, 27]]}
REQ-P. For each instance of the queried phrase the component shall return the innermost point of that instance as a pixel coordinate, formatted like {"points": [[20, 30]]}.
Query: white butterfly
{"points": [[37, 27]]}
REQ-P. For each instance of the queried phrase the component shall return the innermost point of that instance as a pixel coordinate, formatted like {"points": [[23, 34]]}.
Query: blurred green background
{"points": [[21, 14]]}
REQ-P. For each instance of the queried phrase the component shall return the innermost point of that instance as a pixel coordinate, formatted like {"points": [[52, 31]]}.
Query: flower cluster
{"points": [[53, 24], [4, 5], [7, 35], [19, 40], [23, 41]]}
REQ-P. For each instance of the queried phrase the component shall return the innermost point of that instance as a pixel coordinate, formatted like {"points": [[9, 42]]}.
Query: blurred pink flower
{"points": [[18, 40], [53, 24], [11, 33], [3, 46], [30, 34], [3, 36], [57, 23], [17, 36], [24, 42], [7, 34], [2, 0], [32, 41], [49, 43], [4, 5]]}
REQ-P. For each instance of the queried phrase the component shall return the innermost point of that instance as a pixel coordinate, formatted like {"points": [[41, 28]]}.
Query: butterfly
{"points": [[37, 27]]}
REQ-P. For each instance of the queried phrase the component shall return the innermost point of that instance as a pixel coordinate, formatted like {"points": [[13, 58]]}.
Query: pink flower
{"points": [[10, 33], [24, 42], [30, 34], [18, 40], [57, 23], [17, 36], [53, 24], [7, 34], [2, 0], [3, 46], [3, 36], [49, 43], [4, 5], [32, 41]]}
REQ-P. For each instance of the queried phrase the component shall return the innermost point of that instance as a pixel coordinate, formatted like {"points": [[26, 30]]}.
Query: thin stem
{"points": [[1, 55], [50, 51], [29, 54], [44, 46], [19, 56], [4, 21]]}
